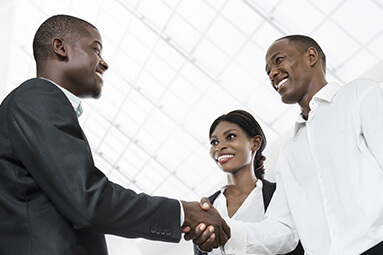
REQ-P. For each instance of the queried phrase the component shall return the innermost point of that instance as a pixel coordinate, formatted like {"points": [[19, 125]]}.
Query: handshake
{"points": [[204, 225]]}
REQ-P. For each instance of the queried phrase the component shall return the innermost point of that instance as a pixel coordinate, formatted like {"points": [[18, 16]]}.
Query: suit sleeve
{"points": [[49, 142]]}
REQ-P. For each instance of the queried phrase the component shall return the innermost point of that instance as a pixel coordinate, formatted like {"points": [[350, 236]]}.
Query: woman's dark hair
{"points": [[252, 128]]}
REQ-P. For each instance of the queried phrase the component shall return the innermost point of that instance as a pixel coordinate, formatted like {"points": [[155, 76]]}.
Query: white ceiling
{"points": [[176, 65]]}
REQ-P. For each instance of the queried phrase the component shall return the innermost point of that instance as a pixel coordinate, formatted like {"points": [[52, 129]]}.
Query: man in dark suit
{"points": [[53, 199]]}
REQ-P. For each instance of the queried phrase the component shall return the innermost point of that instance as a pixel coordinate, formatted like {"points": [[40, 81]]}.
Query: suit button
{"points": [[168, 232], [153, 229]]}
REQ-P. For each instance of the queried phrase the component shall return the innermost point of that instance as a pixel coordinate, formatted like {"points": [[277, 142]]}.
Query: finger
{"points": [[205, 203], [195, 233], [204, 236], [216, 242], [208, 245], [221, 238], [186, 229]]}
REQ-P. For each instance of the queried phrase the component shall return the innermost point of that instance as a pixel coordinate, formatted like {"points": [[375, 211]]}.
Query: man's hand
{"points": [[202, 237], [207, 229], [205, 204]]}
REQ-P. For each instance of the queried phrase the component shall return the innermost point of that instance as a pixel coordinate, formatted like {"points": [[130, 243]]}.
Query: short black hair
{"points": [[67, 27], [252, 128], [303, 43]]}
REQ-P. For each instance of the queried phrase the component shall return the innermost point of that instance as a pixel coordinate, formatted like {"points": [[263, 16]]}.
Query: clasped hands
{"points": [[204, 225]]}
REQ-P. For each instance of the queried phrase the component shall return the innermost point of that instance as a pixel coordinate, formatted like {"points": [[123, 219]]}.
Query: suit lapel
{"points": [[267, 191], [87, 145]]}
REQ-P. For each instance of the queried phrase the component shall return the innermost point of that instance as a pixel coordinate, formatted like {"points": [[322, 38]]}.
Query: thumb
{"points": [[205, 204]]}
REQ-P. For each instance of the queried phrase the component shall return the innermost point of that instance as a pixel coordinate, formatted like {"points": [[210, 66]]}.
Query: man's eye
{"points": [[278, 60], [97, 50]]}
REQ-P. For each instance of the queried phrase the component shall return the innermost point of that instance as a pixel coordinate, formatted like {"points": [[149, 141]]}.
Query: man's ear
{"points": [[60, 48], [312, 56]]}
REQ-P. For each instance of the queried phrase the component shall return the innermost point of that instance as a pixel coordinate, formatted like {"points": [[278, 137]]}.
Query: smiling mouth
{"points": [[99, 74], [224, 158], [280, 84]]}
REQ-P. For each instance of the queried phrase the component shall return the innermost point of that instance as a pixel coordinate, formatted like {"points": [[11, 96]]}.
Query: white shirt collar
{"points": [[325, 94], [74, 100]]}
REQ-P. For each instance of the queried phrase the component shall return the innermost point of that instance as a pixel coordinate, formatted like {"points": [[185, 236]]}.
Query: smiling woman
{"points": [[234, 147], [237, 142]]}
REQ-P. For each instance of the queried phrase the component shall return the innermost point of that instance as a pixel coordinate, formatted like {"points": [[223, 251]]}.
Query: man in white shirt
{"points": [[330, 174]]}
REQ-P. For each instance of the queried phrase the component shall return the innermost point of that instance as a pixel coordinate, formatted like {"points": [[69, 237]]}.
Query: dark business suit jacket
{"points": [[267, 192], [53, 199]]}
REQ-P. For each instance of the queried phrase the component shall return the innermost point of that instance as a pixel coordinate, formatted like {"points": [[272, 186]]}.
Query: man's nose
{"points": [[104, 65], [273, 73]]}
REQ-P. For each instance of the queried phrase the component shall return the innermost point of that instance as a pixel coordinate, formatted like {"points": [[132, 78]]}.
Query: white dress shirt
{"points": [[251, 210], [329, 176]]}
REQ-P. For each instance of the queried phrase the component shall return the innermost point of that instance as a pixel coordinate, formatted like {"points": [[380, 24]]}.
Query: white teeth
{"points": [[281, 83], [99, 74], [223, 157]]}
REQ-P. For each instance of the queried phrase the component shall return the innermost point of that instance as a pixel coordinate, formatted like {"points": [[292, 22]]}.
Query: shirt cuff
{"points": [[182, 214], [238, 240]]}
